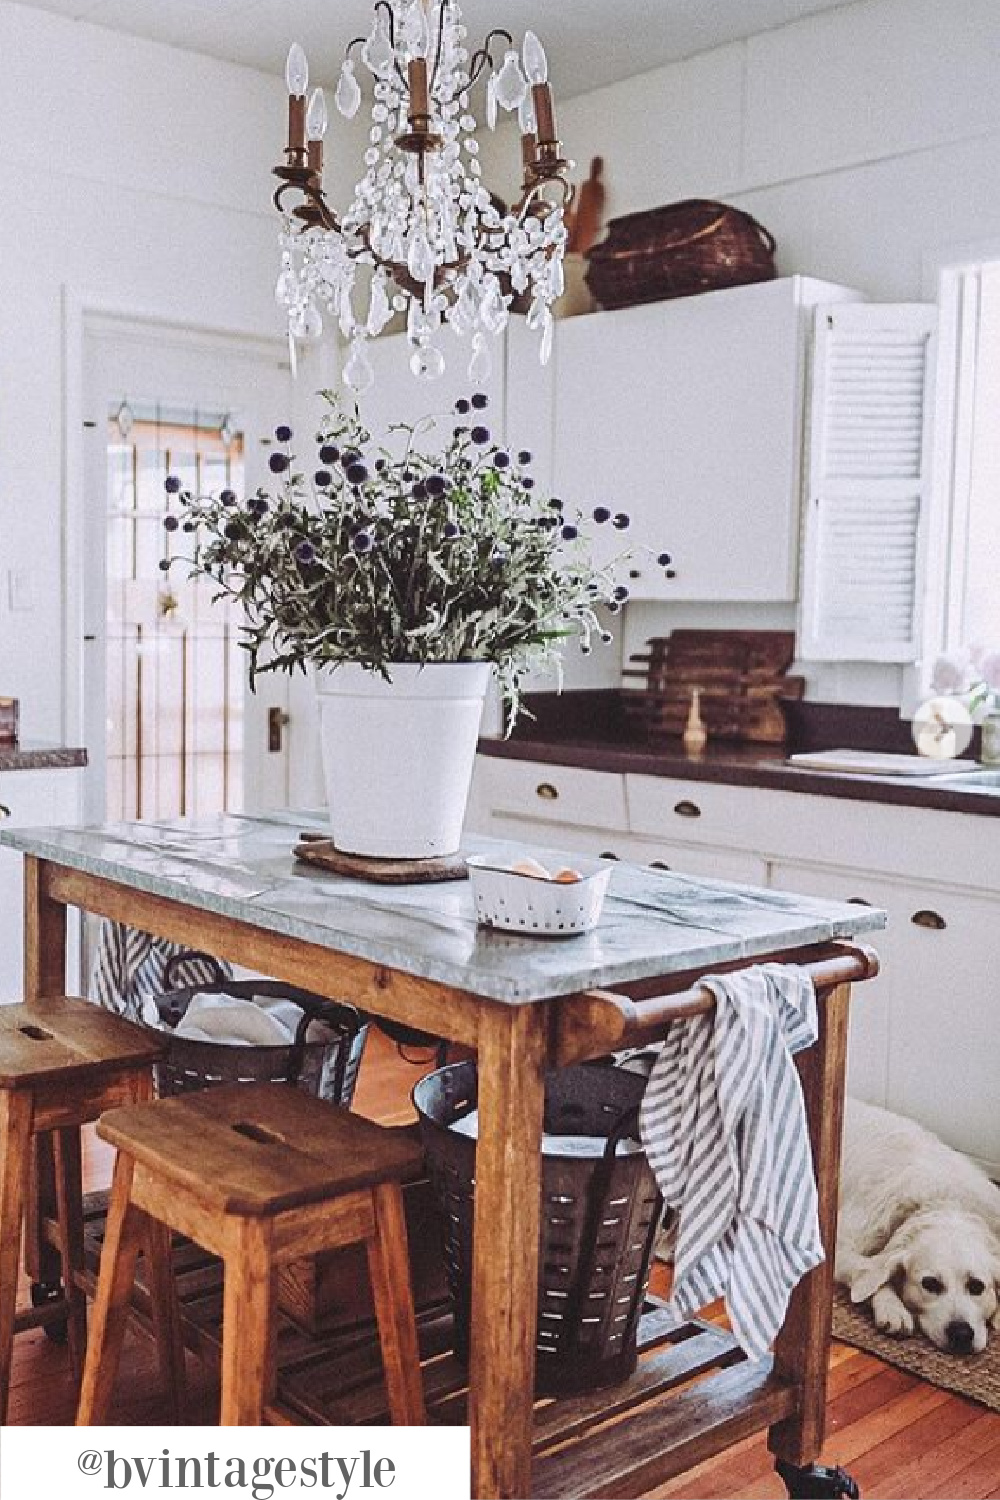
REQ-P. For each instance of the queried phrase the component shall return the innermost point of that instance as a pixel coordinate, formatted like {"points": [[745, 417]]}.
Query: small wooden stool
{"points": [[257, 1174], [62, 1062]]}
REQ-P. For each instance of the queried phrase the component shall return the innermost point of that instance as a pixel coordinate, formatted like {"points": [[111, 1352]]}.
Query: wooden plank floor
{"points": [[901, 1438]]}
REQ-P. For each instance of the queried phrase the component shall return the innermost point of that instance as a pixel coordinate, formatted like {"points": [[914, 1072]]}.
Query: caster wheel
{"points": [[42, 1293], [816, 1480]]}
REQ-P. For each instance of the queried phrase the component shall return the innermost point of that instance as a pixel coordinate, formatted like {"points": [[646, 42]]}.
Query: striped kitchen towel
{"points": [[724, 1127], [129, 967]]}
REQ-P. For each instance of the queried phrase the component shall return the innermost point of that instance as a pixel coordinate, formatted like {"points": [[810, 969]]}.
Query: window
{"points": [[971, 297]]}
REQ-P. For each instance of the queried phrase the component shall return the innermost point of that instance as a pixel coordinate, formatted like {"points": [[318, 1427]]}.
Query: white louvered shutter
{"points": [[868, 492]]}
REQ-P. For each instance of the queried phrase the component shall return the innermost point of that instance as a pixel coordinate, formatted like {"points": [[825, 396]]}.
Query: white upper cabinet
{"points": [[688, 415]]}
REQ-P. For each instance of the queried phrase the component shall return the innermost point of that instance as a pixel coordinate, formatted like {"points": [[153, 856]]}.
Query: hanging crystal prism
{"points": [[348, 95], [481, 363], [427, 362], [358, 372], [378, 51], [511, 85]]}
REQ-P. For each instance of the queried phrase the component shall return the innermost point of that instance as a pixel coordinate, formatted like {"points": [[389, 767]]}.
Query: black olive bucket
{"points": [[327, 1068], [599, 1220]]}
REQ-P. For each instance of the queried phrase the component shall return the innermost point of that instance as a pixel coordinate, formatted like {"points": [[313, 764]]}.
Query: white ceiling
{"points": [[591, 42]]}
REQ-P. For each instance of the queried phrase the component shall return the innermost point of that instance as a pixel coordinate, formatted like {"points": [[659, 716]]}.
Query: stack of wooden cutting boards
{"points": [[741, 677]]}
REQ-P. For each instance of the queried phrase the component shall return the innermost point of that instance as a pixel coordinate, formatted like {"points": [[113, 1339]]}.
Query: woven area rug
{"points": [[976, 1376]]}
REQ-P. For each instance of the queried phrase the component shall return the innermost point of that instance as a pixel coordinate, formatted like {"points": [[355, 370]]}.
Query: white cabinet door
{"points": [[686, 414], [30, 799], [868, 1048], [925, 1035]]}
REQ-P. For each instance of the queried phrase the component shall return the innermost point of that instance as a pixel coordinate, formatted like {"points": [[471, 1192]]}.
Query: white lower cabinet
{"points": [[925, 1035], [30, 799]]}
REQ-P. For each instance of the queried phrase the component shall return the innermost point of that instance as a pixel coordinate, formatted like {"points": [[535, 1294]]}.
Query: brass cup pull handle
{"points": [[609, 854], [658, 864], [857, 901], [546, 791], [931, 919], [686, 809], [4, 811]]}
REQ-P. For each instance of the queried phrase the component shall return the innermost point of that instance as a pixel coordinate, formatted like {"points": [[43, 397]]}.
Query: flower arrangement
{"points": [[382, 557], [971, 674]]}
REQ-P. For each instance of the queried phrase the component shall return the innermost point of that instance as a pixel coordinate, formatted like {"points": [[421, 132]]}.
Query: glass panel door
{"points": [[174, 670]]}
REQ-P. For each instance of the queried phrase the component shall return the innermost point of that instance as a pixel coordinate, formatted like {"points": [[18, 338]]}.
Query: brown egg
{"points": [[566, 876]]}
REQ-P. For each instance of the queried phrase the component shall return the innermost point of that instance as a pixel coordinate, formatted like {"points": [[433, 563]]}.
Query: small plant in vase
{"points": [[972, 675], [403, 578]]}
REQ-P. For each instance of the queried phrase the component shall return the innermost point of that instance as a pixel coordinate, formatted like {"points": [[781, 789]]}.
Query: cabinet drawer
{"points": [[700, 812], [701, 860], [551, 794]]}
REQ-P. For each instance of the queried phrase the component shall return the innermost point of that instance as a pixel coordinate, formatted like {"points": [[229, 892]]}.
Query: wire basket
{"points": [[600, 1215], [327, 1068]]}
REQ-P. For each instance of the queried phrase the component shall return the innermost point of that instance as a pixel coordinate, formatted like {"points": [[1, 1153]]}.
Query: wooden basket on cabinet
{"points": [[675, 251]]}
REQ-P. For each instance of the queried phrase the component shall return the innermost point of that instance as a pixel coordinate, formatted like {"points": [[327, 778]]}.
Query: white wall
{"points": [[865, 138], [136, 177]]}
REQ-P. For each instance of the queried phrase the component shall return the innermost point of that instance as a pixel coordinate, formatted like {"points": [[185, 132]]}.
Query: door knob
{"points": [[276, 721]]}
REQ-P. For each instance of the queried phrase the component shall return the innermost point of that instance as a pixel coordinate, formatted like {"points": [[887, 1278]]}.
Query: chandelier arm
{"points": [[483, 55], [358, 41], [440, 45], [523, 208]]}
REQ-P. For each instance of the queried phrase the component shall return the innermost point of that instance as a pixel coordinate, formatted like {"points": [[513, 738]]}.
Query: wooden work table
{"points": [[414, 955]]}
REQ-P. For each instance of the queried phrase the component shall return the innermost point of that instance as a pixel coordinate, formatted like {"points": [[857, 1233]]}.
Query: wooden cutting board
{"points": [[741, 676]]}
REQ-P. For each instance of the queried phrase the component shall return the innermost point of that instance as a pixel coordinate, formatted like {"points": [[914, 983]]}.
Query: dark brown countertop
{"points": [[585, 730], [29, 756]]}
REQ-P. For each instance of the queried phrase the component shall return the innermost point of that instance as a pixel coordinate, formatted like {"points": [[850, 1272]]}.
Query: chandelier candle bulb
{"points": [[297, 79], [317, 122]]}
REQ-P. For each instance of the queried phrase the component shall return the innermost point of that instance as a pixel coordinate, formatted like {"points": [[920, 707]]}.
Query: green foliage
{"points": [[389, 555]]}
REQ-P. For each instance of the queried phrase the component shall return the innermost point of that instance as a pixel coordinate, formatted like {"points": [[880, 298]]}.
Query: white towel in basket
{"points": [[724, 1126]]}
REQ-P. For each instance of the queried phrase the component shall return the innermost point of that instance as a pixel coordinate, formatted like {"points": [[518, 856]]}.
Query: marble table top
{"points": [[654, 922]]}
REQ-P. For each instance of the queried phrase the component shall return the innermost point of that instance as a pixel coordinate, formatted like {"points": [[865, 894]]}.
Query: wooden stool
{"points": [[62, 1062], [257, 1174]]}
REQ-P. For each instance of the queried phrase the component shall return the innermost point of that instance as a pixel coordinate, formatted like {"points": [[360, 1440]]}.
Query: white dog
{"points": [[919, 1232]]}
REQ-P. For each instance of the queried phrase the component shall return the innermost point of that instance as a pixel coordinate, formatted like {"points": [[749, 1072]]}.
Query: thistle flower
{"points": [[305, 552], [283, 433], [480, 401], [357, 474], [170, 523], [602, 514], [228, 497], [278, 463], [524, 457], [480, 435], [362, 542], [172, 484], [462, 407], [621, 521], [329, 453]]}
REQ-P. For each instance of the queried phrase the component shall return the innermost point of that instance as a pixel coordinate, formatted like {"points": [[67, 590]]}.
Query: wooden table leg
{"points": [[512, 1052], [44, 974], [802, 1349]]}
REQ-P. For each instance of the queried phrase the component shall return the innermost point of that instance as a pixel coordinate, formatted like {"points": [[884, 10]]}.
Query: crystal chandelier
{"points": [[440, 247]]}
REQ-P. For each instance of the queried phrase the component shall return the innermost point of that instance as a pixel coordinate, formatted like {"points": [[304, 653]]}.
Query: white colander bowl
{"points": [[535, 907]]}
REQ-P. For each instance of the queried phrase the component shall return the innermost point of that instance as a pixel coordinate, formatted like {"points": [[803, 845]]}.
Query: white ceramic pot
{"points": [[398, 755]]}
